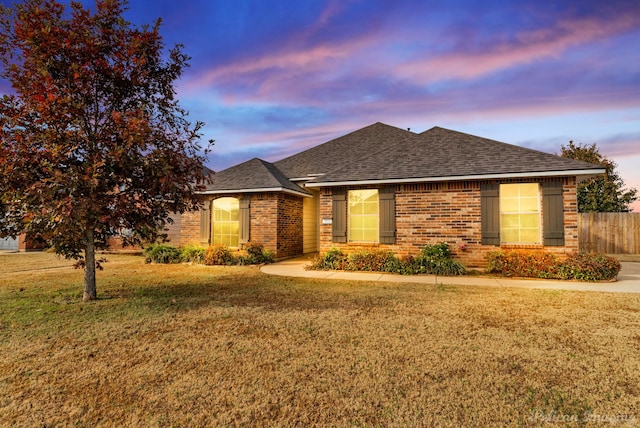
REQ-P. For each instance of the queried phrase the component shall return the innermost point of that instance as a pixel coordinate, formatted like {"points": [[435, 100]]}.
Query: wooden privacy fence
{"points": [[610, 233]]}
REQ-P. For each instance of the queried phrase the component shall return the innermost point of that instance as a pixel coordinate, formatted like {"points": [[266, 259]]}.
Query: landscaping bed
{"points": [[437, 259]]}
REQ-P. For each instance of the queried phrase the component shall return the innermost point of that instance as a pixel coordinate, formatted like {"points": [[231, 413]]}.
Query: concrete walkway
{"points": [[628, 279]]}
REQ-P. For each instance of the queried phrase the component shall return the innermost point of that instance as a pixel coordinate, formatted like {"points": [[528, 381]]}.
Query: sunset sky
{"points": [[273, 77]]}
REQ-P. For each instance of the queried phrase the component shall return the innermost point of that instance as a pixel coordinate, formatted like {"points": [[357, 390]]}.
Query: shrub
{"points": [[256, 254], [590, 267], [580, 266], [436, 251], [334, 259], [161, 253], [436, 260], [533, 264], [218, 255], [192, 254], [407, 266], [371, 261]]}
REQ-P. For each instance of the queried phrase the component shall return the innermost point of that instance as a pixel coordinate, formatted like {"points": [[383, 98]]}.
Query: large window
{"points": [[363, 215], [520, 213], [226, 221]]}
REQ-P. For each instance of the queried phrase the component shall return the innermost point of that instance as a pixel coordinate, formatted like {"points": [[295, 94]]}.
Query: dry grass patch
{"points": [[180, 345]]}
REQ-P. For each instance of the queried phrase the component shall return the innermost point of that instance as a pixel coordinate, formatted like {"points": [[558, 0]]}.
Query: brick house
{"points": [[22, 242], [389, 188]]}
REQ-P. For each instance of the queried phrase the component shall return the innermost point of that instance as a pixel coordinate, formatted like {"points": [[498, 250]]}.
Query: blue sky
{"points": [[270, 78]]}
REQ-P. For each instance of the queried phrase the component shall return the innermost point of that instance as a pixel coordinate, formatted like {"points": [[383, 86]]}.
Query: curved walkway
{"points": [[628, 279]]}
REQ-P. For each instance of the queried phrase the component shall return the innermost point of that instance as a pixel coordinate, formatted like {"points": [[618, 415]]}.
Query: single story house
{"points": [[22, 242], [392, 189]]}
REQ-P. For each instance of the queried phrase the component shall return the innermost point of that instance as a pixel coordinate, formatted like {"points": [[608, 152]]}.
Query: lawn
{"points": [[182, 345]]}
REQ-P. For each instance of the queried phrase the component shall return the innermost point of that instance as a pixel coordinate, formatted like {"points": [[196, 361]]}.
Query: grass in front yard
{"points": [[182, 345]]}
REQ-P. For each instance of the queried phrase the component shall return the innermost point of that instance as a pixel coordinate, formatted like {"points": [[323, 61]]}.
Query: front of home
{"points": [[382, 187]]}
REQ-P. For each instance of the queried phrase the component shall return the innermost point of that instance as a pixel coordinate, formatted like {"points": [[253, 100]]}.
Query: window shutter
{"points": [[245, 220], [552, 213], [387, 211], [205, 223], [339, 214], [490, 213]]}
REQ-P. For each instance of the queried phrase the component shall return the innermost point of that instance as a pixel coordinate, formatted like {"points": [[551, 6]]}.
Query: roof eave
{"points": [[577, 172], [255, 190]]}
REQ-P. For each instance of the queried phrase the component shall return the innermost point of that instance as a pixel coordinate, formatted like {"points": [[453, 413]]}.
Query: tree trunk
{"points": [[90, 292]]}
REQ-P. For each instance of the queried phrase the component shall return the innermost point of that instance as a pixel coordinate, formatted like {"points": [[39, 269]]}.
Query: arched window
{"points": [[226, 221]]}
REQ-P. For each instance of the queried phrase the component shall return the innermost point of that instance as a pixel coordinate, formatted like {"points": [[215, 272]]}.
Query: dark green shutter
{"points": [[205, 223], [245, 220], [552, 213], [387, 211], [339, 214], [490, 213]]}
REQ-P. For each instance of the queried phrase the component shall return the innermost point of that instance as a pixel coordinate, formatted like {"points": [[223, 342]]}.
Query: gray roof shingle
{"points": [[255, 174], [344, 151], [381, 153], [440, 152]]}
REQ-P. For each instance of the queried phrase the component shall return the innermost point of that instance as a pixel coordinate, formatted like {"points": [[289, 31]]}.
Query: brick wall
{"points": [[190, 228], [263, 214], [428, 213], [275, 222], [27, 243], [290, 224]]}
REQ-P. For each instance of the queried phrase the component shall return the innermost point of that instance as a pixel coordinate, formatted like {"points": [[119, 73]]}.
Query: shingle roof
{"points": [[379, 153], [442, 153], [255, 175], [344, 151]]}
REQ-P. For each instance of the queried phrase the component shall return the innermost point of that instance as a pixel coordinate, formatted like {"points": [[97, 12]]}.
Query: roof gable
{"points": [[253, 175], [343, 151]]}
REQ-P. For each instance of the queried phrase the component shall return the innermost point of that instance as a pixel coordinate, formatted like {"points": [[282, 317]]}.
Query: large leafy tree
{"points": [[602, 193], [93, 140]]}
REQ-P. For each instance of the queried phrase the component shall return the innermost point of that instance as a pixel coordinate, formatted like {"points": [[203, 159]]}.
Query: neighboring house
{"points": [[20, 243], [388, 188]]}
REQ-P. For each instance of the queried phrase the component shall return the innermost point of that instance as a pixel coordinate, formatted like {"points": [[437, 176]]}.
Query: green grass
{"points": [[189, 345]]}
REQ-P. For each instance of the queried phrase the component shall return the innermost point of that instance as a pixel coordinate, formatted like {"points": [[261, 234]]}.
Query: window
{"points": [[226, 221], [363, 215], [520, 213]]}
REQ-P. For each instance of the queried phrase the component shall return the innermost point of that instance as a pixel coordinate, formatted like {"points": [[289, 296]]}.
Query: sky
{"points": [[273, 77]]}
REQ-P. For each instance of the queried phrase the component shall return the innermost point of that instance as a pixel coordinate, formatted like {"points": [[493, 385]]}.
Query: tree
{"points": [[602, 193], [93, 140]]}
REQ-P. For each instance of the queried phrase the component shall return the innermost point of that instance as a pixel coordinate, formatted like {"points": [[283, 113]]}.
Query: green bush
{"points": [[222, 255], [192, 254], [256, 254], [161, 253], [590, 267], [433, 259], [218, 255], [436, 260], [436, 251], [579, 266], [334, 259]]}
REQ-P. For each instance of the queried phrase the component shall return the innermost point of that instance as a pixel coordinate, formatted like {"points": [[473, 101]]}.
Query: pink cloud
{"points": [[620, 147], [528, 47], [293, 59], [296, 71]]}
